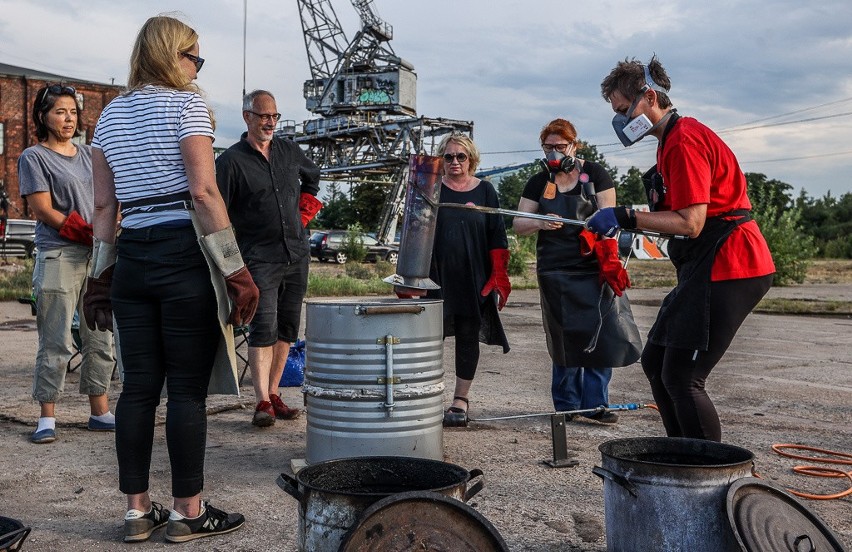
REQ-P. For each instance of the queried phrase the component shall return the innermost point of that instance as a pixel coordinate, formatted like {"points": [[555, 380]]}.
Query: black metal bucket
{"points": [[333, 494], [12, 534], [669, 494]]}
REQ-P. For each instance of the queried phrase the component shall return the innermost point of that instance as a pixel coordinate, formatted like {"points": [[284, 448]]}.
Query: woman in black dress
{"points": [[470, 260]]}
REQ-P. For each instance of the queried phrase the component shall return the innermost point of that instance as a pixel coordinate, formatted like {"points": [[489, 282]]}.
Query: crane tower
{"points": [[365, 99]]}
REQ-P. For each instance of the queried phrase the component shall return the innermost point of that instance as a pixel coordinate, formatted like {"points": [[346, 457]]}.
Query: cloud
{"points": [[511, 65]]}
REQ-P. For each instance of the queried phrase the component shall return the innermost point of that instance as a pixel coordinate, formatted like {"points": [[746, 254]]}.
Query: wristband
{"points": [[626, 217]]}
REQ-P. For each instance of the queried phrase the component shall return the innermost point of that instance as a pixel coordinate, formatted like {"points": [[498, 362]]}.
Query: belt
{"points": [[181, 201]]}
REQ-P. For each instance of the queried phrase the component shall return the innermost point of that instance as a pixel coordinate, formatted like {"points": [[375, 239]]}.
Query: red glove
{"points": [[244, 294], [587, 242], [97, 305], [611, 270], [309, 206], [76, 229], [499, 279]]}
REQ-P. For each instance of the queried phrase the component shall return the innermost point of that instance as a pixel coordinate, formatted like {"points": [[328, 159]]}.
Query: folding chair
{"points": [[77, 343], [241, 338]]}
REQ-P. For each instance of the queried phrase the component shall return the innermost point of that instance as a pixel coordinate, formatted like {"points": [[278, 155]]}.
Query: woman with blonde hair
{"points": [[470, 260], [152, 155]]}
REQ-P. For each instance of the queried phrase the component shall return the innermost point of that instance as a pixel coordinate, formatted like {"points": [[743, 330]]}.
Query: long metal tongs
{"points": [[551, 218]]}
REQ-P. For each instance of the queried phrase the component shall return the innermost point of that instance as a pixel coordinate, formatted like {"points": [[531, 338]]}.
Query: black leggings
{"points": [[677, 376], [467, 346]]}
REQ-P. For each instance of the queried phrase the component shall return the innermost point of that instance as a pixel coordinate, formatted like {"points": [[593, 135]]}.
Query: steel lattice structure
{"points": [[365, 97]]}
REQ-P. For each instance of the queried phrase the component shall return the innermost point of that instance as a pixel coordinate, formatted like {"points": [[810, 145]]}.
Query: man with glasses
{"points": [[270, 188]]}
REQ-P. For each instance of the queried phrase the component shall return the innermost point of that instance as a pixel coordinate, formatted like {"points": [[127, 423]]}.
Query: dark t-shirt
{"points": [[597, 174]]}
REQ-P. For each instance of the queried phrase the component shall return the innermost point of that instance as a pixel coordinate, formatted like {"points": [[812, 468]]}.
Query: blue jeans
{"points": [[578, 388], [165, 310]]}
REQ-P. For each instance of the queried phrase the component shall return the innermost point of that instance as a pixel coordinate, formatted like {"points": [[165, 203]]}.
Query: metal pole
{"points": [[551, 218], [245, 12]]}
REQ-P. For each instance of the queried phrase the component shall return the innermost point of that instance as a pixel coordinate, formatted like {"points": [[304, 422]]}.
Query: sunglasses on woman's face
{"points": [[449, 157], [198, 61]]}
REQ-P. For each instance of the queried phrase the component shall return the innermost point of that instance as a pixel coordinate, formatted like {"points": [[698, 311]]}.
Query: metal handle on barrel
{"points": [[290, 486], [389, 340], [615, 478], [390, 309], [472, 490]]}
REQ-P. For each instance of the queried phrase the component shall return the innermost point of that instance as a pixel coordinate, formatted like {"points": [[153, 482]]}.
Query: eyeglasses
{"points": [[198, 61], [558, 147], [266, 116], [449, 157]]}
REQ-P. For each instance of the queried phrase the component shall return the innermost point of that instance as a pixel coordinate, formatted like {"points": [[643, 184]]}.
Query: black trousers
{"points": [[678, 376], [165, 311]]}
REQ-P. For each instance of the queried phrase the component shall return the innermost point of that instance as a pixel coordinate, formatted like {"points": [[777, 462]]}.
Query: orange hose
{"points": [[817, 471]]}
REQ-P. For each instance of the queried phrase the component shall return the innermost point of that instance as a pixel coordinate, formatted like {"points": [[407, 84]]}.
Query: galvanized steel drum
{"points": [[374, 378], [669, 494]]}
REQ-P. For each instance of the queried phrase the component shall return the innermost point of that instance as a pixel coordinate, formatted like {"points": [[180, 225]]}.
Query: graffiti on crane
{"points": [[377, 91]]}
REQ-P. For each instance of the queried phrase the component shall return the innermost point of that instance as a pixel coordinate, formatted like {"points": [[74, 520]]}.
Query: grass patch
{"points": [[16, 279], [804, 306]]}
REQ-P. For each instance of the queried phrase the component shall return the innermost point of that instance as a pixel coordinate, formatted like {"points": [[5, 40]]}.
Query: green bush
{"points": [[353, 245], [384, 269], [838, 248], [358, 271], [791, 248]]}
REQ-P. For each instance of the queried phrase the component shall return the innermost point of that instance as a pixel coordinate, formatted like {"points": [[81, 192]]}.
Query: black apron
{"points": [[684, 318], [586, 324]]}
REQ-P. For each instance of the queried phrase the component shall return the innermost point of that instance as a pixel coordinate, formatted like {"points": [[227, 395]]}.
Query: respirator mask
{"points": [[631, 129], [555, 161]]}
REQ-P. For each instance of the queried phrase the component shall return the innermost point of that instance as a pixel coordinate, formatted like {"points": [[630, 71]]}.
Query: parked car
{"points": [[17, 238], [326, 245]]}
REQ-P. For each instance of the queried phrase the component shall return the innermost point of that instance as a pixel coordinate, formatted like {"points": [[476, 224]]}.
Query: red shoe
{"points": [[264, 414], [282, 411]]}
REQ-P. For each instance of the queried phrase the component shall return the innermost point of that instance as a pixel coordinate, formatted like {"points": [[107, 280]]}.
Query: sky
{"points": [[772, 77]]}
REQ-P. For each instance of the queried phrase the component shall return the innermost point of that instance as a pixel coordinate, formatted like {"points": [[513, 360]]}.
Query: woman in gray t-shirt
{"points": [[55, 176]]}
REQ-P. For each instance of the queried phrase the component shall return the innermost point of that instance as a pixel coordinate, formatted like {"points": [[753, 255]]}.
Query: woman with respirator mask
{"points": [[587, 319], [697, 189]]}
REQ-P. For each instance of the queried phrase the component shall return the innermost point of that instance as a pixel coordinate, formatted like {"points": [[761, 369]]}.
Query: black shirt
{"points": [[263, 198]]}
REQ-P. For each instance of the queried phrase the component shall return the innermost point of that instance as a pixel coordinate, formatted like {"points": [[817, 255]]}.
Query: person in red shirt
{"points": [[696, 189]]}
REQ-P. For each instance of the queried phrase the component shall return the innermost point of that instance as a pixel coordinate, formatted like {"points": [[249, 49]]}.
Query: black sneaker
{"points": [[138, 526], [211, 522]]}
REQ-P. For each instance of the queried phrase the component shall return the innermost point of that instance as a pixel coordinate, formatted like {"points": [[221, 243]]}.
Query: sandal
{"points": [[455, 416]]}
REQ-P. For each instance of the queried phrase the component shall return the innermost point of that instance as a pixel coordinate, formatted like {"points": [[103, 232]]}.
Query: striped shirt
{"points": [[139, 134]]}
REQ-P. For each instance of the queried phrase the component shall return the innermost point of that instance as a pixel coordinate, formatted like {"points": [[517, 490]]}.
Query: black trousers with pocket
{"points": [[165, 311]]}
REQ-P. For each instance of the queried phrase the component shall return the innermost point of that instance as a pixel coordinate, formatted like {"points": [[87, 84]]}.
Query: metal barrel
{"points": [[668, 494], [418, 223], [374, 378]]}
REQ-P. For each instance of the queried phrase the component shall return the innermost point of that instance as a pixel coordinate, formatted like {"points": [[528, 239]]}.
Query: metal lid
{"points": [[765, 518], [430, 520]]}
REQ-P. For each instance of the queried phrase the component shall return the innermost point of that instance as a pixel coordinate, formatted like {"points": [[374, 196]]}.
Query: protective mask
{"points": [[555, 161], [631, 130], [628, 130]]}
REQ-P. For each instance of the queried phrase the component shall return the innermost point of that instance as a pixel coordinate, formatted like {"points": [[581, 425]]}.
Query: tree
{"points": [[510, 187], [780, 224], [368, 200], [829, 220], [631, 190], [337, 211]]}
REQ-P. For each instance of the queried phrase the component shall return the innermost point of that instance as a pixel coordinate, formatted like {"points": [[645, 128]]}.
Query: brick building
{"points": [[18, 88]]}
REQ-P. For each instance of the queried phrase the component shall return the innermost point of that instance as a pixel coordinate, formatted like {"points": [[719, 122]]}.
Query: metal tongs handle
{"points": [[551, 218]]}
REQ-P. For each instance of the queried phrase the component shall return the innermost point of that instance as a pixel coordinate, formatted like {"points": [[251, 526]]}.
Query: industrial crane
{"points": [[365, 97]]}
